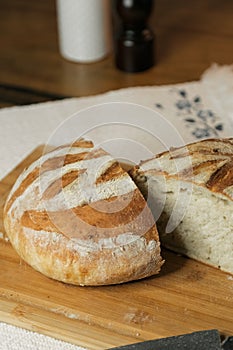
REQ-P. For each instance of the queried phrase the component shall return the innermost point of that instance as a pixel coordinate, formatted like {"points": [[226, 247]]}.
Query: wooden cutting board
{"points": [[187, 296]]}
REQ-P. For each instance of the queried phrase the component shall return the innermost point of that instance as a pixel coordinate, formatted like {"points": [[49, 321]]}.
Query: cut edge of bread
{"points": [[193, 213]]}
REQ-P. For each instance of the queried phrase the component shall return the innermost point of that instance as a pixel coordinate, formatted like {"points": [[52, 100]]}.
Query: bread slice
{"points": [[190, 192], [76, 216]]}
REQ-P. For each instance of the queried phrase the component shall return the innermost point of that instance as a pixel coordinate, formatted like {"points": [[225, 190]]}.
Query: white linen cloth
{"points": [[190, 111]]}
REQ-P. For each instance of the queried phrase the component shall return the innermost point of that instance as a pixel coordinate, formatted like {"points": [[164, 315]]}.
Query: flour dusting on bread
{"points": [[205, 230], [76, 216]]}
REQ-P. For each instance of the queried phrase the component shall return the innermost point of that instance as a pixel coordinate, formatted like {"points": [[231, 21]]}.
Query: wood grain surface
{"points": [[187, 296], [191, 35]]}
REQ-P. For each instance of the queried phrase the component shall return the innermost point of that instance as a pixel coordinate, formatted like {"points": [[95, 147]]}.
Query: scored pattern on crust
{"points": [[50, 164], [48, 198], [102, 223], [56, 186], [208, 163], [76, 216]]}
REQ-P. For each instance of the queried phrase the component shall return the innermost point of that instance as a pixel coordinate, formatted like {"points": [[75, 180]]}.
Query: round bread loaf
{"points": [[76, 216]]}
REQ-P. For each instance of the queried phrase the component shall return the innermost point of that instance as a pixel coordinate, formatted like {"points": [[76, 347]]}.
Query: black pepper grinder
{"points": [[134, 46]]}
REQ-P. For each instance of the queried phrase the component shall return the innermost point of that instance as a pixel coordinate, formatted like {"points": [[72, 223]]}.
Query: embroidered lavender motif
{"points": [[201, 122]]}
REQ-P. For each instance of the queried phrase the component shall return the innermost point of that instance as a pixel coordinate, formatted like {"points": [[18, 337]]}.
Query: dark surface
{"points": [[190, 36], [228, 344], [203, 340], [16, 95]]}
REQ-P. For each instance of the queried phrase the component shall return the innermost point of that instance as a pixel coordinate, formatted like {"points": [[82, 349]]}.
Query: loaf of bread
{"points": [[76, 216], [190, 191]]}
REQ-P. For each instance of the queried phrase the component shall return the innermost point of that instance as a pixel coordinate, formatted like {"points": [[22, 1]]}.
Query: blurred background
{"points": [[190, 35]]}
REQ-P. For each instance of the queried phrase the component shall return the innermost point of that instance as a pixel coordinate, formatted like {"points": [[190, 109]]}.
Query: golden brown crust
{"points": [[209, 164], [23, 186], [83, 143], [56, 186], [221, 178], [114, 171], [109, 239], [114, 212], [59, 260], [52, 164]]}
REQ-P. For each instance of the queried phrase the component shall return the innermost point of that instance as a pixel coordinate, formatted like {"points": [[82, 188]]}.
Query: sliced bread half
{"points": [[190, 192]]}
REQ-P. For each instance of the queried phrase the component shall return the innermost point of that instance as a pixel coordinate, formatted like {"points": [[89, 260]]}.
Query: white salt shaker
{"points": [[84, 29]]}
